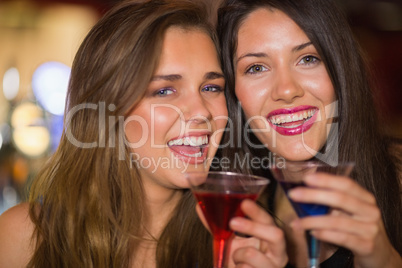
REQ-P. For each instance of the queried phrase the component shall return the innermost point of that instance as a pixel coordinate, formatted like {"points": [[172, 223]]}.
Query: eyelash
{"points": [[217, 88], [256, 72], [315, 60], [263, 69], [161, 91]]}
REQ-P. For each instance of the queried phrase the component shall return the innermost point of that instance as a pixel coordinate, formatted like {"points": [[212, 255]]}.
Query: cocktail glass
{"points": [[219, 195], [290, 174]]}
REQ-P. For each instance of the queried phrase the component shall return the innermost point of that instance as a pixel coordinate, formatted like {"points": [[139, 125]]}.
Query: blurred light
{"points": [[29, 134], [20, 170], [32, 141], [49, 84], [11, 83], [56, 130], [4, 134], [8, 198]]}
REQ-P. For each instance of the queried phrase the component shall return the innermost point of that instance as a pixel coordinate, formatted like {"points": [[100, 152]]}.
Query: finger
{"points": [[346, 225], [335, 199], [201, 216], [339, 183], [354, 243], [243, 265], [251, 257], [272, 237], [252, 210]]}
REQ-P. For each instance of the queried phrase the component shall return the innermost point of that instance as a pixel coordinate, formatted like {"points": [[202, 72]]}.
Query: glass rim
{"points": [[258, 179], [315, 162]]}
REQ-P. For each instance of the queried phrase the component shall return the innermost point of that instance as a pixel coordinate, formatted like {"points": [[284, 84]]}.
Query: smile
{"points": [[192, 149], [293, 121]]}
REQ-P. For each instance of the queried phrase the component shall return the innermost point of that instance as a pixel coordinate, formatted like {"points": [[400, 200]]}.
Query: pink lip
{"points": [[298, 128], [191, 159]]}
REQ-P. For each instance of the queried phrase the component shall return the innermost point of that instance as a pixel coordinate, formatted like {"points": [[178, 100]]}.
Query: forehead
{"points": [[267, 27], [186, 51], [275, 21]]}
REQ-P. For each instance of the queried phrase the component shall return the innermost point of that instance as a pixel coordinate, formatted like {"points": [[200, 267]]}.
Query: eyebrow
{"points": [[170, 77], [263, 55], [257, 55], [213, 75], [175, 77], [302, 46]]}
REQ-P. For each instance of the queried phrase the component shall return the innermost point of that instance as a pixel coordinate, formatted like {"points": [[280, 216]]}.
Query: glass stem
{"points": [[313, 250], [221, 249]]}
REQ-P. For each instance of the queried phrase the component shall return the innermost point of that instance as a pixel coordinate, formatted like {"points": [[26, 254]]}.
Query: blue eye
{"points": [[164, 92], [257, 68], [307, 60], [211, 88]]}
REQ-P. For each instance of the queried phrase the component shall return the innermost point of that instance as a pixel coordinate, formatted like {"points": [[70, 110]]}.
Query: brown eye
{"points": [[256, 69], [307, 60]]}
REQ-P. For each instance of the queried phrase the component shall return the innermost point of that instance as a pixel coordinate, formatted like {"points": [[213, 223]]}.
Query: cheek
{"points": [[322, 87], [248, 103], [137, 129], [146, 122]]}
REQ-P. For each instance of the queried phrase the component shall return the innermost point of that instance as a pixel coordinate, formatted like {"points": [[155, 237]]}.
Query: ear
{"points": [[201, 216]]}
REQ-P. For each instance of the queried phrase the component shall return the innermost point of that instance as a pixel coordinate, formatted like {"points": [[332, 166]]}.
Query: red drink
{"points": [[220, 208], [219, 195]]}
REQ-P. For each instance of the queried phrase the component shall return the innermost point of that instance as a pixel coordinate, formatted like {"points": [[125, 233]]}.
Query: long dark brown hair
{"points": [[360, 137], [87, 203]]}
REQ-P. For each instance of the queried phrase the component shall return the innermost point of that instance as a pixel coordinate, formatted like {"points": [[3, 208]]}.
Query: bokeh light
{"points": [[11, 83], [30, 136], [49, 84]]}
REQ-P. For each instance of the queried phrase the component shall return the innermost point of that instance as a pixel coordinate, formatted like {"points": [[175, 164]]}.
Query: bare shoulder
{"points": [[16, 230]]}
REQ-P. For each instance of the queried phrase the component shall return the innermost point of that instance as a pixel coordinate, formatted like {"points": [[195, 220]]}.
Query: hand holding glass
{"points": [[219, 195], [290, 175]]}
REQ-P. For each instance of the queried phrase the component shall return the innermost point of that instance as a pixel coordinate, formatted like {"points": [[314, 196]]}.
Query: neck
{"points": [[160, 205]]}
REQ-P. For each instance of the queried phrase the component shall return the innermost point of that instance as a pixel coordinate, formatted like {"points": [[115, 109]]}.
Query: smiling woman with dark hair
{"points": [[297, 72]]}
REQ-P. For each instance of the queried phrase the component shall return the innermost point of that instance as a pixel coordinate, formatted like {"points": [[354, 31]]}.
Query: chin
{"points": [[301, 152]]}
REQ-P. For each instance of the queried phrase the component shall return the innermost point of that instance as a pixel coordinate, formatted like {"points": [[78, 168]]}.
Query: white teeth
{"points": [[190, 141], [199, 154], [288, 118]]}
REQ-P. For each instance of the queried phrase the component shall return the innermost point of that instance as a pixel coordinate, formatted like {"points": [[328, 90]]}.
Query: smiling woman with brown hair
{"points": [[103, 200]]}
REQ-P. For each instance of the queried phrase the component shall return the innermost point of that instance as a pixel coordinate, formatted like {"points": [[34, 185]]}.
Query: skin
{"points": [[195, 92], [182, 100], [273, 71], [281, 71]]}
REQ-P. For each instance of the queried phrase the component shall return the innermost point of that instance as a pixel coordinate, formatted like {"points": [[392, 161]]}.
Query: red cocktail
{"points": [[219, 195]]}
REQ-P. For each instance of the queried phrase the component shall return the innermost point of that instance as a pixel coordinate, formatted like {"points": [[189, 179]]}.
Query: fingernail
{"points": [[235, 222], [310, 178], [293, 194], [313, 233], [295, 225]]}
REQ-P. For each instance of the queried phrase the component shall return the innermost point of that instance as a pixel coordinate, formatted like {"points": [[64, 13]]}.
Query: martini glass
{"points": [[219, 195], [290, 175]]}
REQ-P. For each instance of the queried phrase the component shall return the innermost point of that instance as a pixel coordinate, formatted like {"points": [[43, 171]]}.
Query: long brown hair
{"points": [[87, 203], [360, 137]]}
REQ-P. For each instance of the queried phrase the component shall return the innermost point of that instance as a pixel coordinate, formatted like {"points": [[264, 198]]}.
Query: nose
{"points": [[286, 87], [196, 110]]}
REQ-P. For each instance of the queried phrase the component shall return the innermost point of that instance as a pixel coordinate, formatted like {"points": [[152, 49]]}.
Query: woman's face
{"points": [[283, 86], [178, 125]]}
